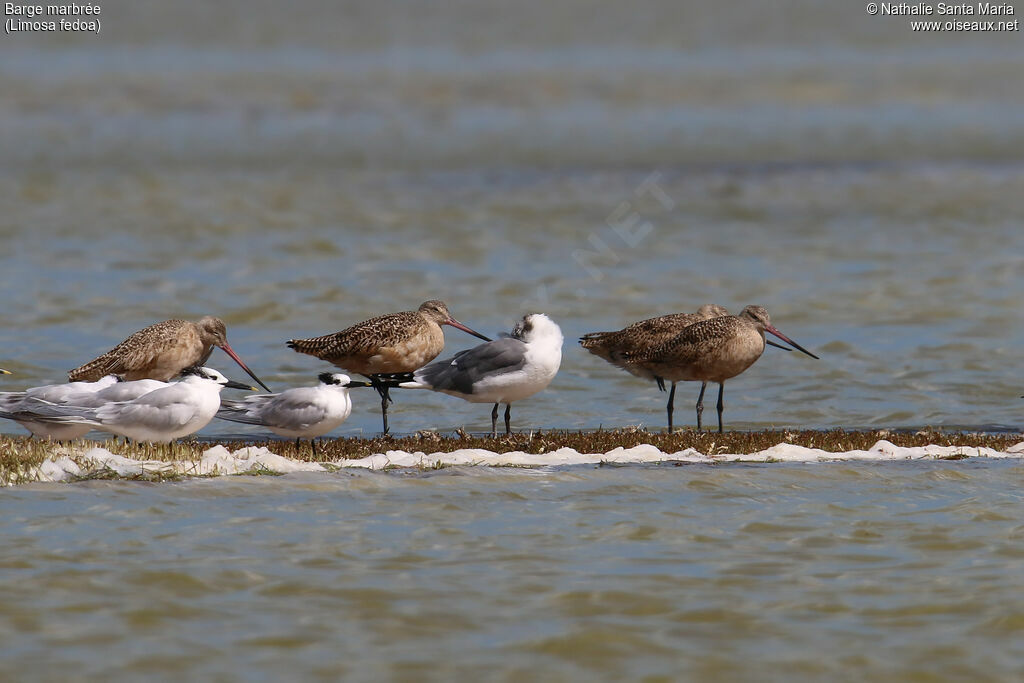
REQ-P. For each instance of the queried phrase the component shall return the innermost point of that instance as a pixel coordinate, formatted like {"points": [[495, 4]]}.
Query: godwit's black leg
{"points": [[671, 406], [385, 398], [700, 403], [721, 406]]}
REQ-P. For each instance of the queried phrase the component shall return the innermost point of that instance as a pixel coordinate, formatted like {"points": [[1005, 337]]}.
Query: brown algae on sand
{"points": [[20, 454]]}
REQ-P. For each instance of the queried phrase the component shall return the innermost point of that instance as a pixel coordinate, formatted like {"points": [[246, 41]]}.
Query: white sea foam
{"points": [[219, 460], [70, 464]]}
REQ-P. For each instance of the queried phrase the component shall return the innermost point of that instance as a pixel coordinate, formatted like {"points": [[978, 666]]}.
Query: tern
{"points": [[12, 403], [302, 412], [159, 416]]}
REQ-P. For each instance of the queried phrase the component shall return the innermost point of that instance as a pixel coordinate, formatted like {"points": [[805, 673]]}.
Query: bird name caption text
{"points": [[927, 17], [45, 18]]}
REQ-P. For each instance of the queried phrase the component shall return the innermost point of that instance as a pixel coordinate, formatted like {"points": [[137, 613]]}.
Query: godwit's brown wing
{"points": [[160, 351], [619, 346], [637, 337], [693, 351], [396, 342]]}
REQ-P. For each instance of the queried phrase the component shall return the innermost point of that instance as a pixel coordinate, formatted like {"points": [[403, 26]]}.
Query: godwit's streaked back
{"points": [[160, 416], [644, 335], [388, 344], [713, 350], [501, 371], [162, 351], [302, 412]]}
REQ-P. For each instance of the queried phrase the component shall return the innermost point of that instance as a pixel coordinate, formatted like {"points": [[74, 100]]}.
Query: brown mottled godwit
{"points": [[645, 335], [388, 344], [162, 351], [712, 350]]}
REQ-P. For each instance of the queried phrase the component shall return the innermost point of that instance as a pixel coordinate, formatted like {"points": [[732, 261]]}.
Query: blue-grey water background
{"points": [[297, 167], [830, 571]]}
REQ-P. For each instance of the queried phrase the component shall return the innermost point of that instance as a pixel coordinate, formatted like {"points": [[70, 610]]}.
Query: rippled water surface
{"points": [[833, 571], [298, 167]]}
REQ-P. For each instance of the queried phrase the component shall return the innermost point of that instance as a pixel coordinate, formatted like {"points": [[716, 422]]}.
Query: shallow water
{"points": [[840, 570], [298, 169]]}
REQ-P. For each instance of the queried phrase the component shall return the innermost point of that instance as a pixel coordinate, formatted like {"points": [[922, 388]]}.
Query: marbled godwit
{"points": [[162, 351], [13, 403], [501, 371], [643, 335], [159, 416], [633, 340], [388, 344], [302, 412], [712, 350]]}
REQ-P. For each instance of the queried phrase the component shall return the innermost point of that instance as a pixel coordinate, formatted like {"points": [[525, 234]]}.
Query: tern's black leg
{"points": [[721, 406], [312, 442], [700, 403], [671, 406], [508, 418], [494, 422]]}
